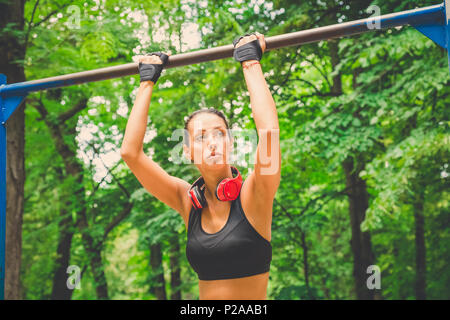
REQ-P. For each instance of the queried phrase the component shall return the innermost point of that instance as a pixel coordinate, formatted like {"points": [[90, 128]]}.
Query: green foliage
{"points": [[379, 99]]}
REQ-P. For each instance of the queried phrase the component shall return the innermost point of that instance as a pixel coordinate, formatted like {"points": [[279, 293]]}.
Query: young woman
{"points": [[228, 220]]}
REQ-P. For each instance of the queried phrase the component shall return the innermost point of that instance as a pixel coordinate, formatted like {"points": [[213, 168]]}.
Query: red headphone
{"points": [[227, 190]]}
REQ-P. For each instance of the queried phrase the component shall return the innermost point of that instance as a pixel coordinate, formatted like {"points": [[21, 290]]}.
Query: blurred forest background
{"points": [[365, 149]]}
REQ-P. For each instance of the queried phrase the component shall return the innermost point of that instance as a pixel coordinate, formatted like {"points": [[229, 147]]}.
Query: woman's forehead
{"points": [[206, 121]]}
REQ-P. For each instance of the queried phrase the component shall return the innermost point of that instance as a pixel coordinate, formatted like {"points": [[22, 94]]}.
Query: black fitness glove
{"points": [[152, 71], [249, 51]]}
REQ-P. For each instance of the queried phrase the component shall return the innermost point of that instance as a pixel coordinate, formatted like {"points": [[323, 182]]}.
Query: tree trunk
{"points": [[333, 46], [175, 277], [94, 250], [419, 219], [60, 291], [12, 49], [305, 263], [158, 284], [92, 246], [74, 169], [360, 241]]}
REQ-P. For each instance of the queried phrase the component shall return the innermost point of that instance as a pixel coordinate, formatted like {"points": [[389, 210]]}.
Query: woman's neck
{"points": [[212, 180]]}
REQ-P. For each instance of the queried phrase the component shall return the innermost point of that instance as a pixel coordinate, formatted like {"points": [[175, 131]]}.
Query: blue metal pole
{"points": [[438, 31], [447, 27], [2, 192]]}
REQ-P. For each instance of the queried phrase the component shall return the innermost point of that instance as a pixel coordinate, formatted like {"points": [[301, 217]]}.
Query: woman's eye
{"points": [[215, 134], [220, 133]]}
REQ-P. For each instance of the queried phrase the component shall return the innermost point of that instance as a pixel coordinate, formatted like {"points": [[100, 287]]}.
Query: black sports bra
{"points": [[236, 251]]}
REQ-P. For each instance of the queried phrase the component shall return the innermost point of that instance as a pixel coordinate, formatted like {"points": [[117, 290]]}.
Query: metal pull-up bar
{"points": [[432, 21], [433, 15]]}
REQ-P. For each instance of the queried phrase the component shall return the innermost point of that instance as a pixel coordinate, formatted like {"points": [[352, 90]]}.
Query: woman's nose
{"points": [[212, 145], [212, 142]]}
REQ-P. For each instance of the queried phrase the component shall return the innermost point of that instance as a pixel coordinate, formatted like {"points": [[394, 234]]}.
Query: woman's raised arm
{"points": [[166, 188], [132, 142], [265, 179]]}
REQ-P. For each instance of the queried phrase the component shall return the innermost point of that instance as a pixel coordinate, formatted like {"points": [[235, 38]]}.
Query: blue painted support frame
{"points": [[2, 192], [447, 27], [439, 33], [7, 107]]}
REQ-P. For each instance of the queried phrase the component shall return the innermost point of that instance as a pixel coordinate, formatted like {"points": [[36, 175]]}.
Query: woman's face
{"points": [[209, 142]]}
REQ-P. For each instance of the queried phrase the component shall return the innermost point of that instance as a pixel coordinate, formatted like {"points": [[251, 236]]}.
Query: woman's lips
{"points": [[212, 155]]}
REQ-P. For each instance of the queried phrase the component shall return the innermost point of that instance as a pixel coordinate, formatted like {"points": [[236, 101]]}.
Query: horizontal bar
{"points": [[428, 15]]}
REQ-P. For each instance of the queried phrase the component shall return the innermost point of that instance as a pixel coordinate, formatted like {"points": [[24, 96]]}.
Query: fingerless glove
{"points": [[152, 71], [249, 51]]}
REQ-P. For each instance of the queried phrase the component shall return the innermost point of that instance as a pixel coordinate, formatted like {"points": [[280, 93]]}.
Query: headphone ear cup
{"points": [[195, 197], [219, 190], [200, 197], [229, 188]]}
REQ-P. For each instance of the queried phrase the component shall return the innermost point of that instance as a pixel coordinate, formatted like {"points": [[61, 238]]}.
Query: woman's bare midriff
{"points": [[247, 288]]}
